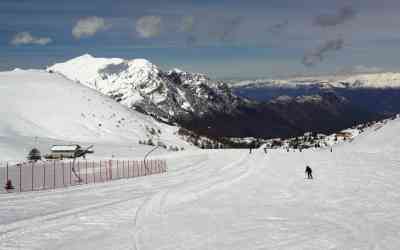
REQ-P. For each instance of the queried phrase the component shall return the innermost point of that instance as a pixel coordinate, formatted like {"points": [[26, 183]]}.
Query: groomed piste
{"points": [[226, 199]]}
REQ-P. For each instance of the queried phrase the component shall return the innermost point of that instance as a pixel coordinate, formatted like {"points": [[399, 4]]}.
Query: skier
{"points": [[265, 150], [309, 172], [250, 149]]}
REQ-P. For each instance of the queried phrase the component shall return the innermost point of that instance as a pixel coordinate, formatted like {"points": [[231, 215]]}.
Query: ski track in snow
{"points": [[224, 199]]}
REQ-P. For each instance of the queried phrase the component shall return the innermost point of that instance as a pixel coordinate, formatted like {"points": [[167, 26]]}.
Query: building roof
{"points": [[71, 148]]}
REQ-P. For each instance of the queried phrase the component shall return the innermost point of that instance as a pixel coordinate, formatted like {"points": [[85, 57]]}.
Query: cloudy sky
{"points": [[225, 38]]}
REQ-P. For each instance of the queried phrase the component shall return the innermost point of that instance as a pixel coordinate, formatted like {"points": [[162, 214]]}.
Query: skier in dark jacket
{"points": [[309, 172]]}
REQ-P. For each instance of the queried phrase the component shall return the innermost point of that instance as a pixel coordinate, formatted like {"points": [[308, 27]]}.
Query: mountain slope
{"points": [[38, 104]]}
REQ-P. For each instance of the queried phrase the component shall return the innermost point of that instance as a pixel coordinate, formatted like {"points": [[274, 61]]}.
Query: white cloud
{"points": [[148, 26], [88, 26], [25, 38]]}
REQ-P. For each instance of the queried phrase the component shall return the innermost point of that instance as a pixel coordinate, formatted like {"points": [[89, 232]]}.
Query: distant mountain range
{"points": [[209, 107], [378, 92], [370, 80]]}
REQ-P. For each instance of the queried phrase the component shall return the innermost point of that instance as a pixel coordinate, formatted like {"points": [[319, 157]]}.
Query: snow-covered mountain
{"points": [[202, 105], [139, 84], [35, 103], [371, 80]]}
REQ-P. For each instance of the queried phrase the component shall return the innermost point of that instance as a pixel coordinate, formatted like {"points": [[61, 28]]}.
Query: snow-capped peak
{"points": [[84, 69], [112, 76]]}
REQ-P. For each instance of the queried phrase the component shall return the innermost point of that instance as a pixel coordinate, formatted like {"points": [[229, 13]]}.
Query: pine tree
{"points": [[34, 155]]}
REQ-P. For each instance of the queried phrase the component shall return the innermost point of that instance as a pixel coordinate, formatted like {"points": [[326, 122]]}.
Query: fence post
{"points": [[117, 170], [63, 174], [101, 178], [79, 170], [70, 173], [128, 170], [110, 169], [6, 172], [32, 174], [93, 172], [123, 169], [105, 170], [44, 176], [20, 178], [54, 174]]}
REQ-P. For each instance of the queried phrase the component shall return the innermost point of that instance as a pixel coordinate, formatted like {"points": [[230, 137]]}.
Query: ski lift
{"points": [[80, 152]]}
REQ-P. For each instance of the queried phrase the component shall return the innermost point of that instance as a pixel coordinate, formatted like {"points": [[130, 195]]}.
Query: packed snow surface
{"points": [[226, 199]]}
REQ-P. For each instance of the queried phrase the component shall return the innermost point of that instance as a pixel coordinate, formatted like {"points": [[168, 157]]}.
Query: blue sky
{"points": [[226, 39]]}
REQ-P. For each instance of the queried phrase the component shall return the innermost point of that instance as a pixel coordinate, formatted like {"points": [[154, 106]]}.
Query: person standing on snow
{"points": [[309, 172]]}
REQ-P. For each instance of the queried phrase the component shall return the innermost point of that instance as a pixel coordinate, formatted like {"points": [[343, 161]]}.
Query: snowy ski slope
{"points": [[35, 103], [226, 199]]}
